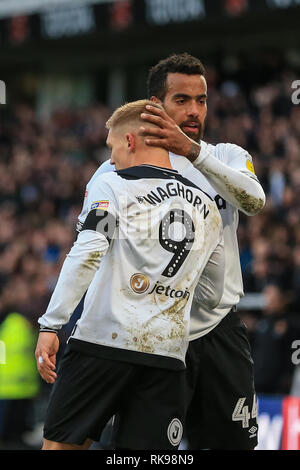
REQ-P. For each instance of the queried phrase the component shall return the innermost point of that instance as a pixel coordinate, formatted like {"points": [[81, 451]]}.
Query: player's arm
{"points": [[210, 286], [104, 168], [76, 274], [235, 182], [75, 277]]}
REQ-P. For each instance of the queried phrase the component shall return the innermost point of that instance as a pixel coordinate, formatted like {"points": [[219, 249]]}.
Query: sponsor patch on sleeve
{"points": [[100, 205], [250, 166]]}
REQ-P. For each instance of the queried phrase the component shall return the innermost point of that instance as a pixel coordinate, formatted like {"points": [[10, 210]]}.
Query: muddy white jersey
{"points": [[163, 232], [203, 319]]}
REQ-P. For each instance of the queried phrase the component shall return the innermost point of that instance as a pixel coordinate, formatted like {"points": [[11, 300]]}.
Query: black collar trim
{"points": [[155, 172]]}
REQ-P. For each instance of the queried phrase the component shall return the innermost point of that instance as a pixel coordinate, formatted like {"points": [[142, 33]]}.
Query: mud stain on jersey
{"points": [[142, 342], [93, 260], [126, 291], [213, 232], [250, 204], [215, 220], [175, 315], [168, 327]]}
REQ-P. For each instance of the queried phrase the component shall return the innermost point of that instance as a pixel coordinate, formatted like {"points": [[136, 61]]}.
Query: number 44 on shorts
{"points": [[241, 412]]}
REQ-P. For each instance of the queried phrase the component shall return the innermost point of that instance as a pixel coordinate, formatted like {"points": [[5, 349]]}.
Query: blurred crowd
{"points": [[264, 120], [45, 165], [44, 168]]}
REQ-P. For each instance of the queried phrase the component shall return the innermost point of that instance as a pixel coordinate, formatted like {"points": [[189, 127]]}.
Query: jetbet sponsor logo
{"points": [[169, 292], [291, 424], [139, 283], [175, 431]]}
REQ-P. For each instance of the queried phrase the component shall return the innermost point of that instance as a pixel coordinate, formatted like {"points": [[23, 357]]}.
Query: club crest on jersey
{"points": [[100, 205], [139, 283]]}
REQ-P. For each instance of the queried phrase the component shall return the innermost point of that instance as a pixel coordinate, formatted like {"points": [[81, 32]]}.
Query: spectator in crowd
{"points": [[272, 344], [19, 381]]}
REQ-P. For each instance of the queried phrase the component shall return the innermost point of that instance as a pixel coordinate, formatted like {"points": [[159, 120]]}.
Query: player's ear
{"points": [[155, 100], [112, 161], [131, 141]]}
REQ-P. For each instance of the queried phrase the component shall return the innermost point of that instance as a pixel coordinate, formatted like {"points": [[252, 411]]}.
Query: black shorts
{"points": [[222, 411], [90, 390]]}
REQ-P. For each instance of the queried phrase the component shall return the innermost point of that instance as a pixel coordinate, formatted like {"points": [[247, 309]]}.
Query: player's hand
{"points": [[168, 134], [45, 354]]}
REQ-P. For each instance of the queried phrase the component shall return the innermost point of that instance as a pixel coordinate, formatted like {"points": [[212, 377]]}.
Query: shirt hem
{"points": [[125, 355]]}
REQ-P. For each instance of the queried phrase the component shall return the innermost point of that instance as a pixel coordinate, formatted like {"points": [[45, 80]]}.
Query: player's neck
{"points": [[155, 156]]}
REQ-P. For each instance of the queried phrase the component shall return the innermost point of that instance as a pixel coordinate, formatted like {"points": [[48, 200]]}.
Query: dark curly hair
{"points": [[175, 63]]}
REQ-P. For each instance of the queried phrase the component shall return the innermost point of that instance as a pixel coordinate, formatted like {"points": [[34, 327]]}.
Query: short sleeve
{"points": [[102, 206], [101, 195], [104, 168]]}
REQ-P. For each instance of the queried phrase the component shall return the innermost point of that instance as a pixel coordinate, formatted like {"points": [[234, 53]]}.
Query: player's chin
{"points": [[195, 136]]}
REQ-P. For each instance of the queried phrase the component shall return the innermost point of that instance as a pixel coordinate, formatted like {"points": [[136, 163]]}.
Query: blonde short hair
{"points": [[129, 114]]}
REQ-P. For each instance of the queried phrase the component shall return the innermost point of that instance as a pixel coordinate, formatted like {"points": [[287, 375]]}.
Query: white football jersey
{"points": [[204, 320], [166, 232]]}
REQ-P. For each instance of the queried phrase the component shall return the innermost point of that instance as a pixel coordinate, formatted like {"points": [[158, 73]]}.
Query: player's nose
{"points": [[193, 109]]}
